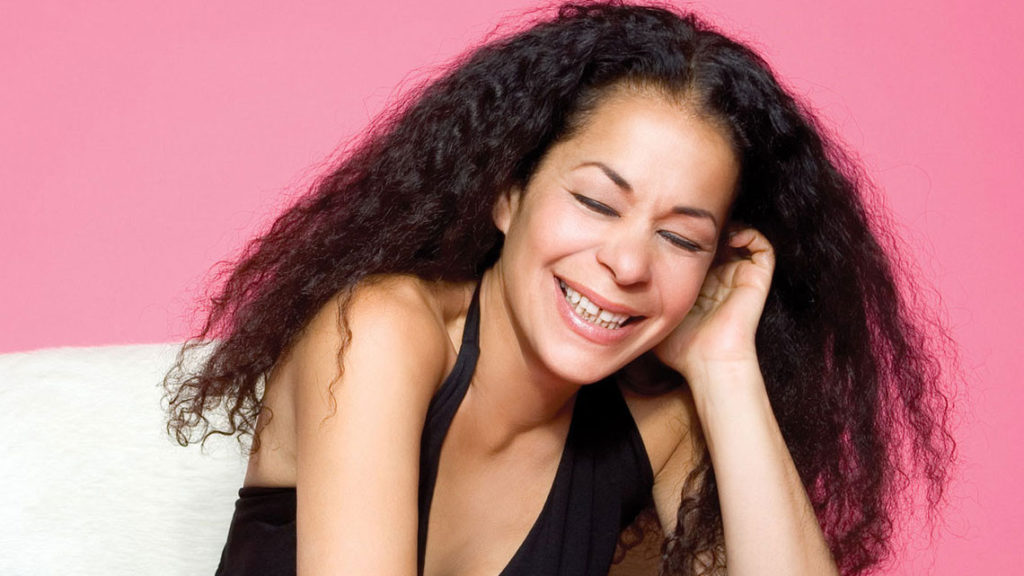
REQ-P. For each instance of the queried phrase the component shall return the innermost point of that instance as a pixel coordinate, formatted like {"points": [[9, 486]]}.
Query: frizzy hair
{"points": [[854, 372]]}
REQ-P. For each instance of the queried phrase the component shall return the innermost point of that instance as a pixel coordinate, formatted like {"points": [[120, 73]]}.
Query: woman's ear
{"points": [[504, 207]]}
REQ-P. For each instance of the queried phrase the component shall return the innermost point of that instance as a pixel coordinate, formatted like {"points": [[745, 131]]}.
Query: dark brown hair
{"points": [[854, 373]]}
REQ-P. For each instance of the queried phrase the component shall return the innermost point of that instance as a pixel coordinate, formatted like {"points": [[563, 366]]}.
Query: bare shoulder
{"points": [[386, 349], [388, 322], [363, 372], [664, 421], [670, 430]]}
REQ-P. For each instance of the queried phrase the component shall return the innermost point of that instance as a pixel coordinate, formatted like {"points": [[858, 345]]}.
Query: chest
{"points": [[485, 505], [550, 503]]}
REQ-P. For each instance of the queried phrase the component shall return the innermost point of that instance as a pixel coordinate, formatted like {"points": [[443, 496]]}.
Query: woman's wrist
{"points": [[726, 387]]}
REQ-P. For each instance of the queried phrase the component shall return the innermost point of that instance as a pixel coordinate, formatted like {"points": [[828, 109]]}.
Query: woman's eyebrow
{"points": [[696, 213], [625, 186], [611, 174]]}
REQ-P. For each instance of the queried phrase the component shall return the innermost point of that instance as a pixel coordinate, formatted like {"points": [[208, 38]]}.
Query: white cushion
{"points": [[90, 483]]}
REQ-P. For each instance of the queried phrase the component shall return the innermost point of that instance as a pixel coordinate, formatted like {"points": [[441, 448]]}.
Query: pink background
{"points": [[140, 145]]}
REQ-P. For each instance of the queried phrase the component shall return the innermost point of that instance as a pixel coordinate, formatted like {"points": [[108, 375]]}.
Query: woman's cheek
{"points": [[568, 228], [686, 288]]}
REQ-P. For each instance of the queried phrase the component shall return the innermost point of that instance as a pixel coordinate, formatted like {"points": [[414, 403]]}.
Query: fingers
{"points": [[751, 244]]}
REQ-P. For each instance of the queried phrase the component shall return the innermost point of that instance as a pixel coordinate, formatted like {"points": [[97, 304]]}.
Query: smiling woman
{"points": [[603, 275], [624, 215]]}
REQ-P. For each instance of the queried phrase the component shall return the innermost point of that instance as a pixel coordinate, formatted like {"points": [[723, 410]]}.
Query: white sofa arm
{"points": [[89, 481]]}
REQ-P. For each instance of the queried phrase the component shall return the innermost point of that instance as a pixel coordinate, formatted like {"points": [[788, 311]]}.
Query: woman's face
{"points": [[607, 247]]}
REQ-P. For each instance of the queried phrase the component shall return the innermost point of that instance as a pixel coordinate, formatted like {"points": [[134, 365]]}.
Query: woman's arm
{"points": [[357, 437], [769, 525], [768, 522]]}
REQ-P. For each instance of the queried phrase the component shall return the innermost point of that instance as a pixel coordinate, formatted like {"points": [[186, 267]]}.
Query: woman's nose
{"points": [[625, 253]]}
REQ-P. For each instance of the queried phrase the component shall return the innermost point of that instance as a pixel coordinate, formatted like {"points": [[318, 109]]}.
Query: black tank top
{"points": [[604, 480]]}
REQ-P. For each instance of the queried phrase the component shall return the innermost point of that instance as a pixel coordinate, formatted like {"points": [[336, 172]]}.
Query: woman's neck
{"points": [[513, 392]]}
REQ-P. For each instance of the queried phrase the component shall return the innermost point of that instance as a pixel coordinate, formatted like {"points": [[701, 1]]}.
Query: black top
{"points": [[604, 480]]}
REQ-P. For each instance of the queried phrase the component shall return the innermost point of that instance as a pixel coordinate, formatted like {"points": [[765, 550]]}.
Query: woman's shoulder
{"points": [[667, 423], [382, 347], [671, 433], [388, 318]]}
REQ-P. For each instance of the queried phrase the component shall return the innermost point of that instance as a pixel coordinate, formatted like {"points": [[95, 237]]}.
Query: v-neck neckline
{"points": [[560, 472], [564, 464], [445, 405]]}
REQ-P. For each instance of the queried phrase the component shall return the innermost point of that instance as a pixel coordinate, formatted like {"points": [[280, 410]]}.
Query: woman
{"points": [[603, 266]]}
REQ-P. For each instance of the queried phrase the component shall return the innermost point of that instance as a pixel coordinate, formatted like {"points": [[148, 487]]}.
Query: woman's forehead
{"points": [[651, 141]]}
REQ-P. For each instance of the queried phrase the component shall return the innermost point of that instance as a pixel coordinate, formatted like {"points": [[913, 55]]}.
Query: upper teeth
{"points": [[592, 312]]}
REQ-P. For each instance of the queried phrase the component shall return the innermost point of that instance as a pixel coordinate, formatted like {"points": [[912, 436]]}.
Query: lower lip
{"points": [[592, 332]]}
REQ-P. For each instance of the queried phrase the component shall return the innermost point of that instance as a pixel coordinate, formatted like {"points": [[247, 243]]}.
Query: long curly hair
{"points": [[852, 361]]}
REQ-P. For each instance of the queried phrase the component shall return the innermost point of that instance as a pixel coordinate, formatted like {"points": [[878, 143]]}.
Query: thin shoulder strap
{"points": [[440, 414], [444, 404]]}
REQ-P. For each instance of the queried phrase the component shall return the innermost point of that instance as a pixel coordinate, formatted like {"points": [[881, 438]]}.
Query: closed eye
{"points": [[681, 242], [594, 205]]}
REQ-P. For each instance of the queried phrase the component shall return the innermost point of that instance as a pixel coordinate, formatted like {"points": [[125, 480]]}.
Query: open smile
{"points": [[593, 317], [586, 309]]}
